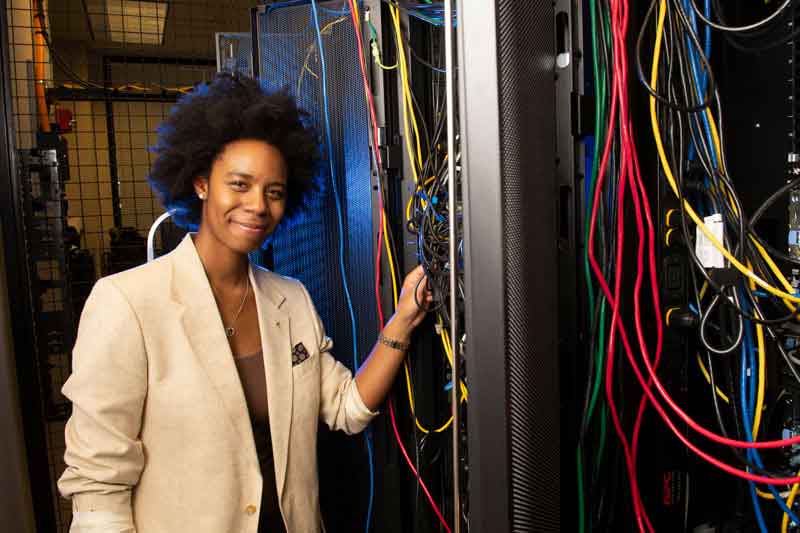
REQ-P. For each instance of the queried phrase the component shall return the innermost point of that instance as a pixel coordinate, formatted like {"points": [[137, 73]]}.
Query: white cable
{"points": [[152, 233], [734, 29]]}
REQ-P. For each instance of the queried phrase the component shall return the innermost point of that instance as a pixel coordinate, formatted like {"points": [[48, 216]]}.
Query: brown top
{"points": [[254, 384]]}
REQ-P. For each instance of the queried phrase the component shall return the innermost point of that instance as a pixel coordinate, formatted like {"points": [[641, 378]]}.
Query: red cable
{"points": [[411, 466], [379, 162], [374, 120], [626, 145], [680, 412], [633, 174], [636, 500], [654, 295]]}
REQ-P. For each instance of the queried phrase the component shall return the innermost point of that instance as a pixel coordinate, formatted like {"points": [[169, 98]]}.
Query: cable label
{"points": [[706, 252]]}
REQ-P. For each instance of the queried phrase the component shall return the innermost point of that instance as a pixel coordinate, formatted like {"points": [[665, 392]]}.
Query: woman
{"points": [[198, 380]]}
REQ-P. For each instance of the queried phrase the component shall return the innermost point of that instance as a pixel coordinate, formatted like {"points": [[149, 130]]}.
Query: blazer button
{"points": [[250, 509]]}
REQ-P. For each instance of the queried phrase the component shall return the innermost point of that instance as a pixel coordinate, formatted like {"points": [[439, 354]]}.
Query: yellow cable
{"points": [[376, 56], [408, 110], [775, 270], [754, 279], [762, 371], [408, 205], [411, 403], [326, 30], [764, 495], [703, 290], [704, 370], [789, 502], [671, 179], [445, 336], [400, 60], [411, 198], [390, 257], [408, 107], [409, 388]]}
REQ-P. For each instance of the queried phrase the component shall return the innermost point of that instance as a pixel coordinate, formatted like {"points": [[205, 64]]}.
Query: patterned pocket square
{"points": [[299, 354]]}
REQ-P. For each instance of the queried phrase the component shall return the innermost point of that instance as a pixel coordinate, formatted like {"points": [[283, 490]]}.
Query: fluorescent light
{"points": [[128, 21]]}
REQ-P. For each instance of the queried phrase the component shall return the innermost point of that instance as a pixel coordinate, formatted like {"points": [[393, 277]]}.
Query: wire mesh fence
{"points": [[109, 71]]}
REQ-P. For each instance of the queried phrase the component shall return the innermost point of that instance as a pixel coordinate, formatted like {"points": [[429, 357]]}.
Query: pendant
{"points": [[229, 332]]}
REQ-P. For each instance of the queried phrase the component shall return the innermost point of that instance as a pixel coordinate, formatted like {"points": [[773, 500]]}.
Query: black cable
{"points": [[771, 199], [653, 91], [776, 339], [722, 193], [407, 44], [738, 42], [702, 270]]}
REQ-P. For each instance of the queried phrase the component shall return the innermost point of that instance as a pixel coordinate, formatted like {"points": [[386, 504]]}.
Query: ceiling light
{"points": [[128, 21]]}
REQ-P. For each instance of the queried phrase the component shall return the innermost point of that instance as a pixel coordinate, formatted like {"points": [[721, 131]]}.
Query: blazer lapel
{"points": [[206, 333], [276, 344]]}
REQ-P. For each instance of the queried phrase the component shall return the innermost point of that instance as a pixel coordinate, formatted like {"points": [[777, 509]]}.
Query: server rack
{"points": [[508, 132]]}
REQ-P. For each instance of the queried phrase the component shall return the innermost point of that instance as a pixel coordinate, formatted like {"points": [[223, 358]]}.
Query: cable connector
{"points": [[376, 52], [674, 237], [681, 317], [669, 217]]}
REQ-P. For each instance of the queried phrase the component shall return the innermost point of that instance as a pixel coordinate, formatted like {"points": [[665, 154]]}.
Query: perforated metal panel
{"points": [[508, 157], [525, 53], [309, 249]]}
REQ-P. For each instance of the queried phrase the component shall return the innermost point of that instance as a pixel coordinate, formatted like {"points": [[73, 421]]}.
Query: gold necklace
{"points": [[230, 331]]}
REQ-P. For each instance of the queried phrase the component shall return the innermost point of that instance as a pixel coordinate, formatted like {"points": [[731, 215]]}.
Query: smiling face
{"points": [[244, 198]]}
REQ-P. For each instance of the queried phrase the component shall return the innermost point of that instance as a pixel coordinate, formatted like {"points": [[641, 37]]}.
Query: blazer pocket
{"points": [[303, 363], [305, 368]]}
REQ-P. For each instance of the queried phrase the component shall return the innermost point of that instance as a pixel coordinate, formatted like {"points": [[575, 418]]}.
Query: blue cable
{"points": [[340, 221], [587, 171], [707, 50], [747, 428], [748, 405], [759, 515], [707, 13], [693, 59], [751, 376]]}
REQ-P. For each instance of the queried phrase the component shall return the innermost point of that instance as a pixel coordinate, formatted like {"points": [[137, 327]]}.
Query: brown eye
{"points": [[276, 194]]}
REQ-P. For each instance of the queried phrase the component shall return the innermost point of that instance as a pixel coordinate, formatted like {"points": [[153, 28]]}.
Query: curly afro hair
{"points": [[230, 108]]}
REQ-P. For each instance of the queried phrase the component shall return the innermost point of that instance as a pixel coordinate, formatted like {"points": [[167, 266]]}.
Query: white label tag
{"points": [[708, 254]]}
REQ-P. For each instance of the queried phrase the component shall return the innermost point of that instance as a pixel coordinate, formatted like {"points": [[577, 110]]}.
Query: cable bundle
{"points": [[385, 241], [736, 305], [428, 217]]}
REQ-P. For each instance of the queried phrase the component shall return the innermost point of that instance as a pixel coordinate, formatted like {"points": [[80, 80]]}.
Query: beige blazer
{"points": [[160, 440]]}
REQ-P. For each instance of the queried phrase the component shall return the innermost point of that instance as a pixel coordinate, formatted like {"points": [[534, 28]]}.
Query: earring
{"points": [[201, 196]]}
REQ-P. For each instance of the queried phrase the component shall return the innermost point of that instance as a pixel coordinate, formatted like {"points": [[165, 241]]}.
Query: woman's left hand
{"points": [[407, 310]]}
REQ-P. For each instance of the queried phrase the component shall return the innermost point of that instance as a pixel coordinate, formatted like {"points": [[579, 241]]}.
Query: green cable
{"points": [[599, 356], [605, 25], [599, 116], [598, 459], [373, 32], [581, 511]]}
